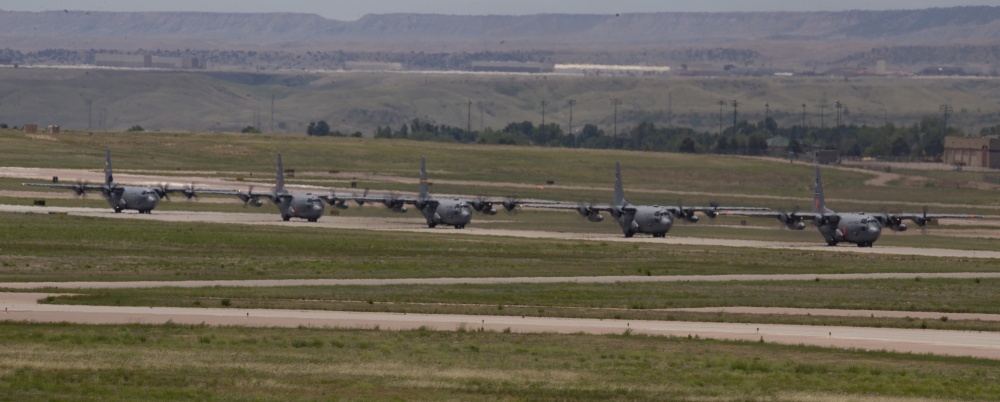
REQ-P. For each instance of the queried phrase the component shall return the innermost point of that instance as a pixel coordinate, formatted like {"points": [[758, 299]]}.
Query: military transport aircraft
{"points": [[291, 205], [120, 197], [456, 212], [861, 228], [652, 219]]}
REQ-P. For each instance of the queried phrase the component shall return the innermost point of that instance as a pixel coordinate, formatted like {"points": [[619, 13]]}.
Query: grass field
{"points": [[63, 248], [171, 362], [700, 178]]}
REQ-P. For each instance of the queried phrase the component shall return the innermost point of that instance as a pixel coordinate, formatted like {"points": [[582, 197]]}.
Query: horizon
{"points": [[353, 11]]}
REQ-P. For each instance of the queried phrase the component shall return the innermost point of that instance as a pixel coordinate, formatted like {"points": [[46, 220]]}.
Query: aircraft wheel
{"points": [[431, 225], [313, 219], [831, 243], [286, 218], [118, 210], [629, 234]]}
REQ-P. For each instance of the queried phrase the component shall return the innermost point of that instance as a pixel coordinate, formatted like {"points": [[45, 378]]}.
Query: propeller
{"points": [[587, 211], [792, 220], [79, 189], [163, 191], [714, 212], [189, 191], [392, 202], [483, 206], [511, 202], [248, 199], [359, 201]]}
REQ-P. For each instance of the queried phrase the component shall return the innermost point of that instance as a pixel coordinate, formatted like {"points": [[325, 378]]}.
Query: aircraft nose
{"points": [[464, 213]]}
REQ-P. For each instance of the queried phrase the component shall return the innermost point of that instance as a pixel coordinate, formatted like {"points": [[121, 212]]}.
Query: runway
{"points": [[415, 225], [22, 307]]}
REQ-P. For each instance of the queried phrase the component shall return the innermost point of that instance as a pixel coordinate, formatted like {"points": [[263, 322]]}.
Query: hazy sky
{"points": [[353, 9]]}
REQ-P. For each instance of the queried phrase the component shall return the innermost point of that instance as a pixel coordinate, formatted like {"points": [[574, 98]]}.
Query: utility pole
{"points": [[946, 109], [468, 123], [736, 104], [272, 113], [803, 115], [615, 102], [571, 102]]}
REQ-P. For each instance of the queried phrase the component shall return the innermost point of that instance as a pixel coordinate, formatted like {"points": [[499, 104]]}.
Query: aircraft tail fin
{"points": [[108, 178], [619, 188], [819, 201], [424, 187], [279, 181]]}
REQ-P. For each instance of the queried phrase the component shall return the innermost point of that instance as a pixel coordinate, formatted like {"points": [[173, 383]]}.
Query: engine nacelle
{"points": [[490, 211], [920, 221], [798, 225], [341, 204], [691, 218], [898, 227], [595, 217], [400, 209], [256, 202]]}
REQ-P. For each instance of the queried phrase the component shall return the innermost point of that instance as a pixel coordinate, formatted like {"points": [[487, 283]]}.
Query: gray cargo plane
{"points": [[860, 228], [291, 205], [456, 212], [652, 219], [120, 197]]}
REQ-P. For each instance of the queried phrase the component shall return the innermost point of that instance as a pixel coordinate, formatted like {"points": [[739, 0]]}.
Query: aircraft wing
{"points": [[569, 207], [895, 221], [917, 217], [248, 197], [75, 187]]}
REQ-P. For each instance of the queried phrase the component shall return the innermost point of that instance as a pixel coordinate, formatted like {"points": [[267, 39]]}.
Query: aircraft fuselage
{"points": [[857, 228], [303, 206], [451, 212], [646, 219], [142, 199]]}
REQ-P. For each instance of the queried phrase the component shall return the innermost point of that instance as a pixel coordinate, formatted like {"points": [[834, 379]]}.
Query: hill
{"points": [[793, 39]]}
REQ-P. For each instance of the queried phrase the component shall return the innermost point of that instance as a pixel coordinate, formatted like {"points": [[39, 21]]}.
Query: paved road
{"points": [[484, 280], [22, 307]]}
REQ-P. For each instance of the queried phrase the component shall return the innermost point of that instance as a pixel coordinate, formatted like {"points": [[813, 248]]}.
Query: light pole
{"points": [[736, 104], [468, 122], [616, 102], [822, 122], [946, 109], [571, 102], [543, 112], [803, 115], [722, 104], [767, 114], [839, 106]]}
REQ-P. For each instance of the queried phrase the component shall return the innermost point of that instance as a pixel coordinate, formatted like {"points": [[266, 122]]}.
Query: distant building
{"points": [[372, 66], [31, 128], [513, 67], [147, 61], [827, 156], [880, 66], [972, 151]]}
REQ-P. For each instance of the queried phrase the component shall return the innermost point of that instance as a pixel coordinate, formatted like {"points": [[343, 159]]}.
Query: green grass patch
{"points": [[650, 300], [167, 362]]}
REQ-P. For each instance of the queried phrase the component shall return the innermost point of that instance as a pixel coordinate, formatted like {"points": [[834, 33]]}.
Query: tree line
{"points": [[923, 139]]}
